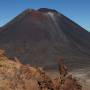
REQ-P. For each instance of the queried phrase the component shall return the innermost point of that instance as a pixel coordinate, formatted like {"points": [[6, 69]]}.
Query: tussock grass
{"points": [[16, 76]]}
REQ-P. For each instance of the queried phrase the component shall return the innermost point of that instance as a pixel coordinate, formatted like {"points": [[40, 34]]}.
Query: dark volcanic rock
{"points": [[47, 10], [43, 36]]}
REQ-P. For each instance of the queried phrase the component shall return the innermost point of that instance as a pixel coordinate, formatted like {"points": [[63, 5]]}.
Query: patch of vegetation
{"points": [[16, 76]]}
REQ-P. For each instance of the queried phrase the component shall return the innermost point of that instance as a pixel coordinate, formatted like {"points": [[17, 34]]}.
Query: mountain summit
{"points": [[42, 36]]}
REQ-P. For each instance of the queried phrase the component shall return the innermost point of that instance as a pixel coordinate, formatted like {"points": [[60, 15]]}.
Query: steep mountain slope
{"points": [[41, 36]]}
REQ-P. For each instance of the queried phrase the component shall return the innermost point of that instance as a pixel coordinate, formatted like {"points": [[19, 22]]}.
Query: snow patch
{"points": [[51, 14]]}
